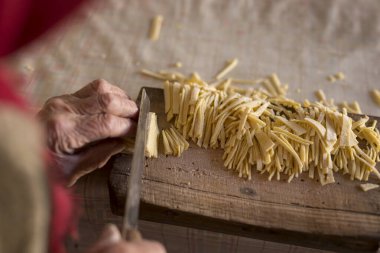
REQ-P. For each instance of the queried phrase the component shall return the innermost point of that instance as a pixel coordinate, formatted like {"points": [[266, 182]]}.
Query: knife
{"points": [[132, 202]]}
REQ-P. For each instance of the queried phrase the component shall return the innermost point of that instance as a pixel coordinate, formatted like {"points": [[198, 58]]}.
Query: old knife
{"points": [[132, 203]]}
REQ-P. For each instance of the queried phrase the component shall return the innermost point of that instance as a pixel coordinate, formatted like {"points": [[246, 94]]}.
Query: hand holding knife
{"points": [[111, 238]]}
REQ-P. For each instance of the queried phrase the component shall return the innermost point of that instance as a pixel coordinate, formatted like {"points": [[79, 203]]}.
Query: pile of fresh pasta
{"points": [[261, 129]]}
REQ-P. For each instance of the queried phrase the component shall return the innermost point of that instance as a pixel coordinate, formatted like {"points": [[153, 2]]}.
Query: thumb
{"points": [[95, 157], [109, 237]]}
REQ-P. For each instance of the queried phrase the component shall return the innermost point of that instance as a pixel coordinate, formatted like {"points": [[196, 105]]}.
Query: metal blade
{"points": [[132, 203]]}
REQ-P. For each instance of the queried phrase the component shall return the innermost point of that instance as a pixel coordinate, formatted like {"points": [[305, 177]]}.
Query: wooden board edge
{"points": [[154, 213]]}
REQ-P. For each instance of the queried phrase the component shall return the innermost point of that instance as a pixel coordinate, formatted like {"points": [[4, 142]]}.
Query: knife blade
{"points": [[132, 203]]}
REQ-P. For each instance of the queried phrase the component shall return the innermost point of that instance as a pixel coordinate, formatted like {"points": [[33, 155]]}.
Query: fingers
{"points": [[99, 86], [111, 242], [96, 112], [111, 103], [103, 126], [67, 133], [104, 98], [108, 238], [117, 104], [94, 158], [136, 247]]}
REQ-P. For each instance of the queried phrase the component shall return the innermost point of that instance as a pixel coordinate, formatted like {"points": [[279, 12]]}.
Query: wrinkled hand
{"points": [[111, 242], [84, 128]]}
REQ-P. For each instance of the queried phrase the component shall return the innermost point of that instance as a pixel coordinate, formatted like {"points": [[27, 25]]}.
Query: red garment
{"points": [[21, 21], [7, 94]]}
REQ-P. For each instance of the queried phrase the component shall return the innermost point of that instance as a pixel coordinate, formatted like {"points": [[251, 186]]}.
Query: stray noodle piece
{"points": [[320, 95], [163, 75], [336, 77], [151, 139], [178, 64], [155, 27], [356, 107], [368, 186], [331, 79], [376, 96], [246, 81], [152, 74], [351, 108], [277, 89], [229, 66], [339, 76]]}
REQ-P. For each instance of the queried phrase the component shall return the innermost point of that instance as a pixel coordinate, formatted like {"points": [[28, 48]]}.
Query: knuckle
{"points": [[106, 101], [56, 122], [58, 104], [100, 85], [55, 102], [56, 133], [133, 106]]}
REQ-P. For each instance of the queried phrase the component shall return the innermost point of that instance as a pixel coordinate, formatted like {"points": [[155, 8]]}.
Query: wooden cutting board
{"points": [[196, 190]]}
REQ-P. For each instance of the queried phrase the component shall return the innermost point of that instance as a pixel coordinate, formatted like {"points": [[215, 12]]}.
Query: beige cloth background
{"points": [[303, 41]]}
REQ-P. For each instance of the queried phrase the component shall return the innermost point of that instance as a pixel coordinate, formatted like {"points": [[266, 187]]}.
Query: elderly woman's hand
{"points": [[110, 241], [84, 129]]}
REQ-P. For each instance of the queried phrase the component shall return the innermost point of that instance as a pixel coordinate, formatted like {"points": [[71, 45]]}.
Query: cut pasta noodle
{"points": [[174, 143], [151, 140], [368, 187], [261, 129], [155, 28]]}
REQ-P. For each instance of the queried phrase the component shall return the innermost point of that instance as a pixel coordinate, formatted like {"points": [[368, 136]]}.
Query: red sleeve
{"points": [[7, 94], [62, 205], [21, 21]]}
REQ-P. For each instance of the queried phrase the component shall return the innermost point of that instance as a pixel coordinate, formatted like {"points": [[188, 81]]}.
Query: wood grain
{"points": [[198, 188], [92, 192]]}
